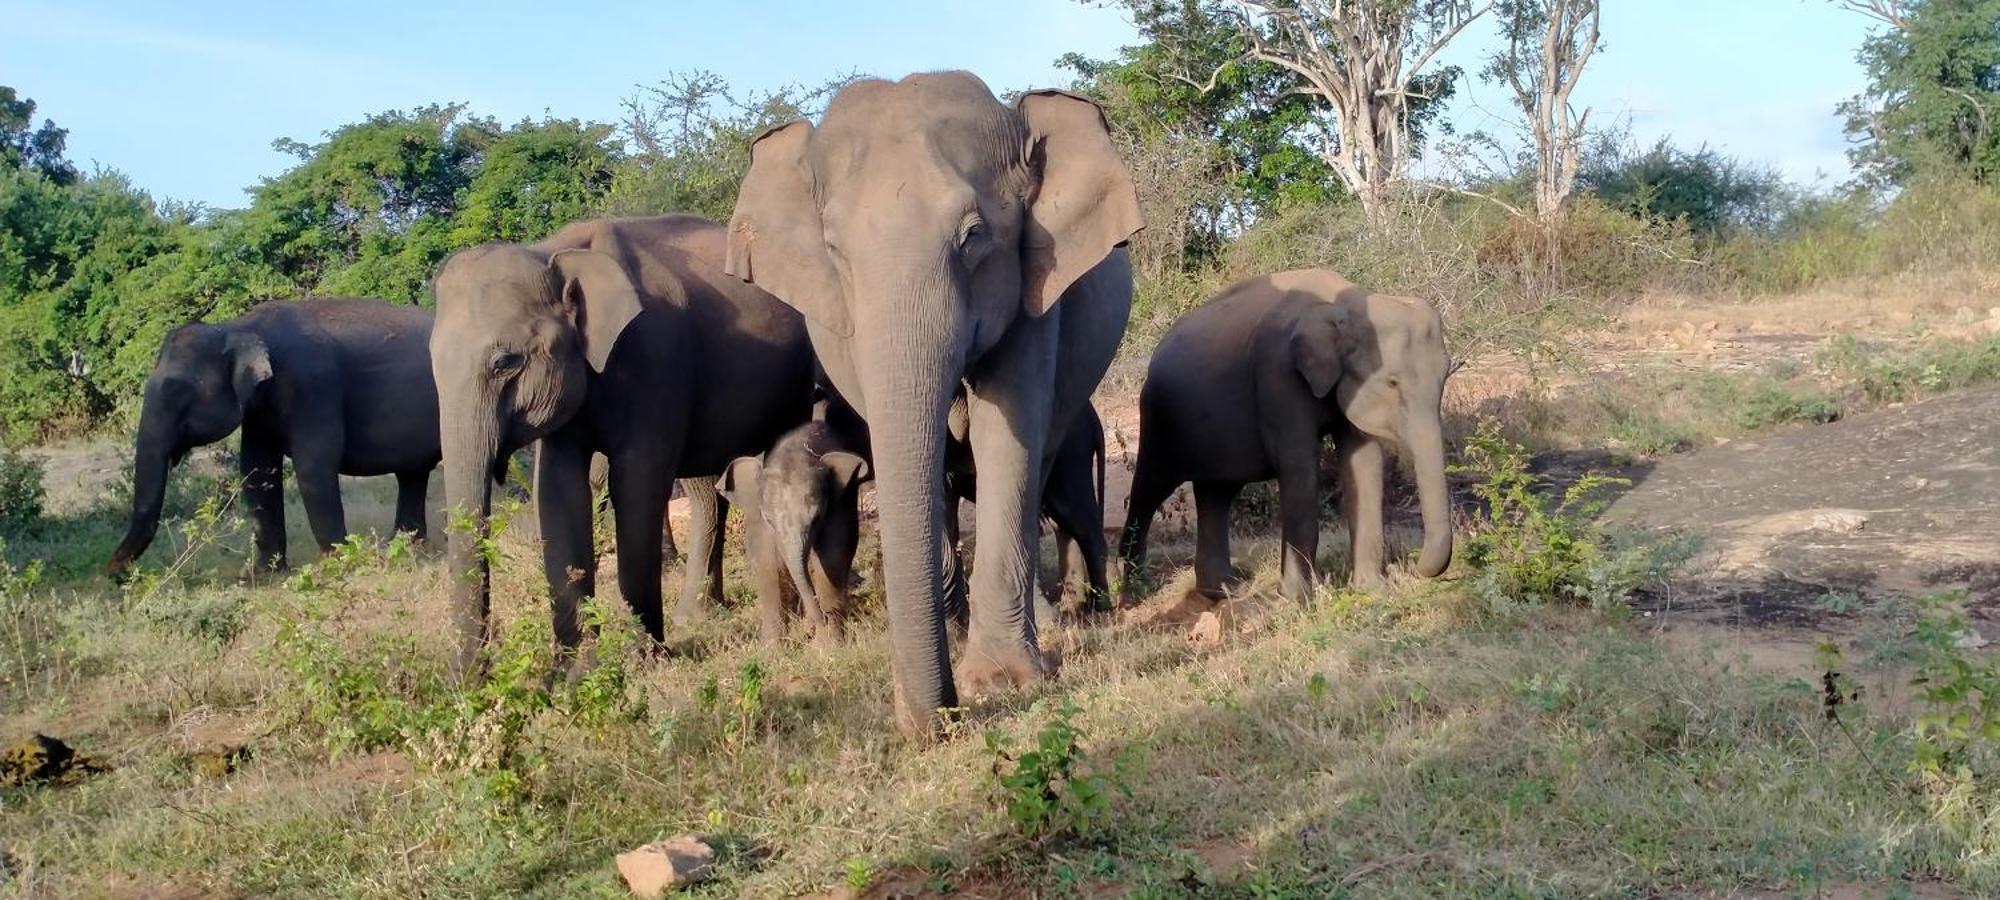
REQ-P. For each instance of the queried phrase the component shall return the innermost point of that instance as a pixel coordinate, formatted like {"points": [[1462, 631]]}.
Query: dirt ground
{"points": [[1901, 501]]}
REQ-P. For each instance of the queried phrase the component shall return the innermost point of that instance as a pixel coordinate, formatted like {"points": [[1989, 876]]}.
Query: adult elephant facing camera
{"points": [[621, 337], [934, 236]]}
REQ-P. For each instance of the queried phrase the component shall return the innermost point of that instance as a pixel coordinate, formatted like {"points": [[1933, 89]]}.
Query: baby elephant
{"points": [[801, 525], [1246, 386]]}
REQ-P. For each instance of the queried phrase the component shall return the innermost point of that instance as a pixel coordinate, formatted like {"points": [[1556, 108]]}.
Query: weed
{"points": [[1528, 549], [1053, 791]]}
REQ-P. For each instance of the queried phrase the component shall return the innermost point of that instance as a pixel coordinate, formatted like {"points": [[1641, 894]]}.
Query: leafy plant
{"points": [[1530, 548], [21, 492], [1054, 790]]}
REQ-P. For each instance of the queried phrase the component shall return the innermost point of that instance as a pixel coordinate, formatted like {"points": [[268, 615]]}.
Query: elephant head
{"points": [[204, 380], [1382, 359], [519, 333], [911, 228], [794, 491]]}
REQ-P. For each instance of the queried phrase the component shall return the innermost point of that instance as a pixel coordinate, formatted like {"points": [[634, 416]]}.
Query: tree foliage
{"points": [[1932, 105], [94, 273], [1709, 191], [23, 146]]}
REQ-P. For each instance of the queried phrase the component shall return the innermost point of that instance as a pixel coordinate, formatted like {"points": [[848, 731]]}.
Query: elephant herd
{"points": [[925, 286]]}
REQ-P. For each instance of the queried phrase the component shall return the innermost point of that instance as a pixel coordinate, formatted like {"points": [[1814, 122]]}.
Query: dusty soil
{"points": [[1896, 502]]}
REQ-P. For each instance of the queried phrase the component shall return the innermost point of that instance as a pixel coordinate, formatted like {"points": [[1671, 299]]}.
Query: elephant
{"points": [[934, 237], [1244, 388], [612, 336], [802, 523], [342, 386], [1072, 501]]}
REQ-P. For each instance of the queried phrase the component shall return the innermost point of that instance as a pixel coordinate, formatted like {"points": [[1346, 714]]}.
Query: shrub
{"points": [[21, 492], [1054, 790], [1529, 548]]}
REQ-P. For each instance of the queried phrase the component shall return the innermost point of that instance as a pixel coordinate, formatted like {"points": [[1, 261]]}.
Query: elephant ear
{"points": [[1083, 205], [249, 365], [848, 469], [1317, 353], [775, 238], [598, 297], [739, 482]]}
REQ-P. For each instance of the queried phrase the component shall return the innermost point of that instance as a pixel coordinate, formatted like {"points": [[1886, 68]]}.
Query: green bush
{"points": [[1529, 548], [21, 492], [1054, 790]]}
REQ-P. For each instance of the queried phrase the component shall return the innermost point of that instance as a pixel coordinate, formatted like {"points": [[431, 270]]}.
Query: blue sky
{"points": [[186, 98]]}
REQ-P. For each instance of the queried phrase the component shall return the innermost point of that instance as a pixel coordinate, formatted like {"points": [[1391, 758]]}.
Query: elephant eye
{"points": [[507, 361], [972, 232]]}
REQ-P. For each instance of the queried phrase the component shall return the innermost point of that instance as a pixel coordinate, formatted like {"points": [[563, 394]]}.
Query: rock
{"points": [[1839, 521], [45, 760], [1209, 627], [654, 869]]}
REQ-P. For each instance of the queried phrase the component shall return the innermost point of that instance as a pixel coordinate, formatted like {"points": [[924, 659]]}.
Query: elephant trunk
{"points": [[907, 395], [797, 547], [1426, 446], [470, 450], [153, 457]]}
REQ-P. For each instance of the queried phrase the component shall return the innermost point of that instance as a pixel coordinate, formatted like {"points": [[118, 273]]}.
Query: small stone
{"points": [[1208, 629], [654, 869], [1839, 521]]}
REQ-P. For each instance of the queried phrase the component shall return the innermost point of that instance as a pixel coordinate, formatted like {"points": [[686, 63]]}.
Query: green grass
{"points": [[1412, 744]]}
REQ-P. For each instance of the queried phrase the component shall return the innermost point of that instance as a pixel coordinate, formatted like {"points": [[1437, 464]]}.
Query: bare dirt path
{"points": [[1898, 502]]}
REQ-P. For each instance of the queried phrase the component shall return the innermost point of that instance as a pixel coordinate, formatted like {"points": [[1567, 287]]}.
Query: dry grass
{"points": [[1403, 745]]}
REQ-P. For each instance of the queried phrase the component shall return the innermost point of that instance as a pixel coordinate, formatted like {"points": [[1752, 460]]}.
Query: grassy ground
{"points": [[1414, 744]]}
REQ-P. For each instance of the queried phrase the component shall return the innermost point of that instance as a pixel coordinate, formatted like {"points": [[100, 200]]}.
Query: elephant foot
{"points": [[989, 667], [1368, 581], [690, 611]]}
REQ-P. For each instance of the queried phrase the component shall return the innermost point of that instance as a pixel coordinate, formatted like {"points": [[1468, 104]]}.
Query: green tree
{"points": [[1713, 193], [535, 178], [1933, 99], [1190, 72], [368, 210], [689, 137], [23, 146]]}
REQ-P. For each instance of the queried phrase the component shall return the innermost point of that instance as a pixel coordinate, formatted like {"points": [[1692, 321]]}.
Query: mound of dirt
{"points": [[1901, 501]]}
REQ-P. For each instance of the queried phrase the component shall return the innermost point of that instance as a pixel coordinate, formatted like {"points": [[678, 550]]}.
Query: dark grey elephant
{"points": [[935, 237], [621, 337], [1072, 501], [1244, 388], [801, 524], [341, 386]]}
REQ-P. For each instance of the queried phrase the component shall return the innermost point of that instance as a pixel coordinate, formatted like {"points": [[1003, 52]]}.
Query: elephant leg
{"points": [[957, 611], [832, 571], [1362, 464], [318, 474], [410, 489], [1151, 486], [767, 573], [1298, 512], [1073, 507], [1050, 600], [640, 486], [562, 510], [701, 585], [1009, 429], [263, 471], [1212, 502]]}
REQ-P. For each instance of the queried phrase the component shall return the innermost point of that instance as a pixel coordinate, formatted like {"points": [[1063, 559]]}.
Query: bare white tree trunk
{"points": [[1360, 58], [1549, 43]]}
